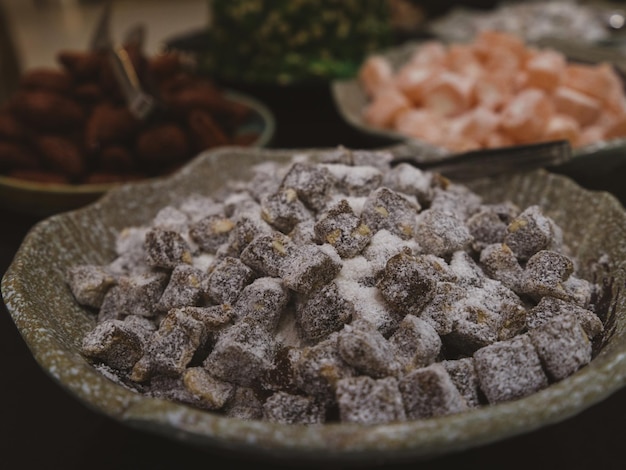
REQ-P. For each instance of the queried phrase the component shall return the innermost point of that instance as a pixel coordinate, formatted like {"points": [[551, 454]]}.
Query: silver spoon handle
{"points": [[490, 162]]}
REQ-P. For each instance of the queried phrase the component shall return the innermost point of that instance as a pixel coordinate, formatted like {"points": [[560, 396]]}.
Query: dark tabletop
{"points": [[43, 425]]}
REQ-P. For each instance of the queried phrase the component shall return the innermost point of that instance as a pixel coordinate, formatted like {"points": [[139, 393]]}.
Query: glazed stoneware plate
{"points": [[350, 100], [53, 324], [46, 199]]}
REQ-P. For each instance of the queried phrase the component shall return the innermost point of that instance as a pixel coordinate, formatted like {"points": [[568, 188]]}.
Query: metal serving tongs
{"points": [[140, 103], [487, 162]]}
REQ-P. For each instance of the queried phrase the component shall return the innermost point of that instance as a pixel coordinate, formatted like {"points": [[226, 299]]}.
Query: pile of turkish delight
{"points": [[343, 288]]}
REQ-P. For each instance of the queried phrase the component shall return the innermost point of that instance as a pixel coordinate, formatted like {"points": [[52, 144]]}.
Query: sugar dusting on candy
{"points": [[345, 290]]}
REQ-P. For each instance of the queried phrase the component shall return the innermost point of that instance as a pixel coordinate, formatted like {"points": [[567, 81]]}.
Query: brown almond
{"points": [[162, 145], [47, 111], [62, 154], [46, 79], [11, 128], [82, 65], [108, 124]]}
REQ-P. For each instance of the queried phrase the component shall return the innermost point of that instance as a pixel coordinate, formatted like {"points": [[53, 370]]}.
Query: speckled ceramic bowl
{"points": [[53, 325]]}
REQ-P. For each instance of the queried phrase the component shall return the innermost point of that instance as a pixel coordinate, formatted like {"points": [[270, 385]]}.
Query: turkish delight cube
{"points": [[166, 248], [508, 370], [405, 286], [267, 253], [185, 288], [319, 367], [227, 279], [286, 408], [244, 404], [172, 347], [213, 317], [134, 295], [385, 209], [383, 245], [262, 302], [441, 233], [499, 262], [580, 291], [283, 210], [114, 343], [530, 232], [242, 353], [480, 315], [486, 227], [89, 283], [456, 199], [365, 400], [248, 225], [342, 228], [210, 391], [429, 392], [551, 307], [211, 232], [562, 345], [463, 375], [304, 232], [311, 182], [354, 180], [415, 343], [322, 312], [362, 346], [440, 311], [544, 274], [407, 179], [308, 268], [466, 271]]}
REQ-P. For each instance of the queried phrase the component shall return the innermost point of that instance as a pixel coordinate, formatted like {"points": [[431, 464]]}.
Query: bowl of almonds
{"points": [[67, 134]]}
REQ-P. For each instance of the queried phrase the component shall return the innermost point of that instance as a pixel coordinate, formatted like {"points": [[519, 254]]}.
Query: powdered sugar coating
{"points": [[290, 267]]}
